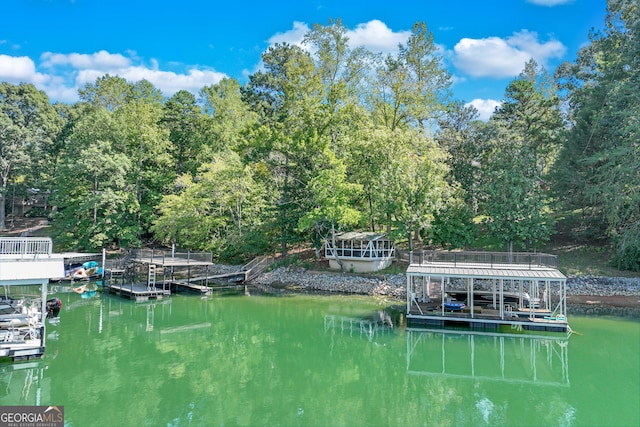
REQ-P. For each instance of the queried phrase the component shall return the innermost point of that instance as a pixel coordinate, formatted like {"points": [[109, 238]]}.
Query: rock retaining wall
{"points": [[603, 286], [394, 285]]}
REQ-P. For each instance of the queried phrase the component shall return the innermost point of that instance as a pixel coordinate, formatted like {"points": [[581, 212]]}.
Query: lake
{"points": [[301, 360]]}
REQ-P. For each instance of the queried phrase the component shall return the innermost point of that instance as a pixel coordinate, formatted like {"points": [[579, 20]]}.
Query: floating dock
{"points": [[486, 291], [153, 274]]}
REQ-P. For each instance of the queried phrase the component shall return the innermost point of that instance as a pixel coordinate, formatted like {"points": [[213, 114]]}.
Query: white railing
{"points": [[491, 259], [360, 249], [25, 246]]}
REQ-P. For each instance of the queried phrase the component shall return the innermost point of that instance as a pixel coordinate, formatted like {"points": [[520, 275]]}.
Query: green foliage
{"points": [[241, 248], [627, 250], [96, 205], [413, 182], [332, 198], [329, 138], [521, 145], [452, 226], [212, 209], [597, 172], [28, 127]]}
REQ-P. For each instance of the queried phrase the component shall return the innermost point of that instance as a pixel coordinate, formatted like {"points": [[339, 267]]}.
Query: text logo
{"points": [[31, 416]]}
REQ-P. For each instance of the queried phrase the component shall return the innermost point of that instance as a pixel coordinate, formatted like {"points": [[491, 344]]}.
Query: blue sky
{"points": [[61, 45]]}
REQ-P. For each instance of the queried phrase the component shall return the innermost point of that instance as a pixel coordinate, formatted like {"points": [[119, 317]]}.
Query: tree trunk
{"points": [[335, 249], [3, 203], [283, 206], [373, 223]]}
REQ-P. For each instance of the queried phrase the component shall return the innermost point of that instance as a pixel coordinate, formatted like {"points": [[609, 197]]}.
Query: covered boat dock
{"points": [[486, 290], [26, 266]]}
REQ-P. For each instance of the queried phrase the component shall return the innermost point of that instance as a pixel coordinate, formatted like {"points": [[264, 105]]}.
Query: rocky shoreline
{"points": [[608, 291]]}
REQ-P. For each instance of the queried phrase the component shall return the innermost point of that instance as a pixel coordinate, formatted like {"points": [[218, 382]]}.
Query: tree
{"points": [[414, 183], [28, 126], [598, 170], [333, 199], [183, 118], [110, 92], [94, 197], [288, 97], [525, 133], [118, 131], [513, 202], [228, 117], [458, 132], [148, 146], [221, 202], [411, 88]]}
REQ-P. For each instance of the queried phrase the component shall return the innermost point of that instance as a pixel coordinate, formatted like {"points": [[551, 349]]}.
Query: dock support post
{"points": [[502, 299]]}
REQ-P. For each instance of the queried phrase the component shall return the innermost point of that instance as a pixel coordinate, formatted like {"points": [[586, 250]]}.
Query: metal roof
{"points": [[518, 272], [360, 235]]}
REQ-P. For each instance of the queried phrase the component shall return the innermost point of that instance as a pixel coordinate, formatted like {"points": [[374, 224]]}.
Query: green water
{"points": [[318, 361]]}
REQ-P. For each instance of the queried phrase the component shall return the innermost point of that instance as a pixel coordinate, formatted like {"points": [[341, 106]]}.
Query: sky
{"points": [[62, 45]]}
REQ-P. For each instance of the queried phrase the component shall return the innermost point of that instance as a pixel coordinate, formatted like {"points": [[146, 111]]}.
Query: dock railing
{"points": [[256, 267], [161, 255], [526, 260], [23, 247]]}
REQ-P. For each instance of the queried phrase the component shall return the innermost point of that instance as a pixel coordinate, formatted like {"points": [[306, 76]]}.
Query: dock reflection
{"points": [[517, 358], [24, 383]]}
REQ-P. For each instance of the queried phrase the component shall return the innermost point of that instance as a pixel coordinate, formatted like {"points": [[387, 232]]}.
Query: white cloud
{"points": [[377, 37], [102, 60], [549, 3], [485, 107], [293, 37], [14, 68], [169, 82], [496, 57], [20, 69], [374, 35], [66, 73]]}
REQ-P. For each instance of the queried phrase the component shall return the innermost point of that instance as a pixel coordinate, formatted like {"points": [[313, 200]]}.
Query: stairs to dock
{"points": [[256, 267]]}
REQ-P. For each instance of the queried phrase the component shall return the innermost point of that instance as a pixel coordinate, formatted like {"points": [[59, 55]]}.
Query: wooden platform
{"points": [[136, 291]]}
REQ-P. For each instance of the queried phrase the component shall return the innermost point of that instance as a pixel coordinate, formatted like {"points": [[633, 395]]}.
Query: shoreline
{"points": [[581, 291]]}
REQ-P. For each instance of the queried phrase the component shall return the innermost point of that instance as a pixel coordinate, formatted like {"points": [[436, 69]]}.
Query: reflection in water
{"points": [[24, 384], [300, 360], [522, 358], [378, 323], [530, 363]]}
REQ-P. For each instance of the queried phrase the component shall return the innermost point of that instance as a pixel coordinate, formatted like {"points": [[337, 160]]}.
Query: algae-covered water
{"points": [[318, 361]]}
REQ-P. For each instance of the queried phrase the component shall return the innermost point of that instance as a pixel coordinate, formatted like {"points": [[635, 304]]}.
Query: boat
{"points": [[18, 313], [453, 306], [480, 297], [89, 270]]}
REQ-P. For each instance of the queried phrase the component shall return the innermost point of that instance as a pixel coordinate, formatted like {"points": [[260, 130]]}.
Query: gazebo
{"points": [[360, 251]]}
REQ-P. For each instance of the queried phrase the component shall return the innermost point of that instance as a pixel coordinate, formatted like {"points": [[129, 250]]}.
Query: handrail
{"points": [[26, 246], [492, 259]]}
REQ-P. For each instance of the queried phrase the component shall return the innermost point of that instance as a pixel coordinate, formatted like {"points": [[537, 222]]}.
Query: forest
{"points": [[325, 139]]}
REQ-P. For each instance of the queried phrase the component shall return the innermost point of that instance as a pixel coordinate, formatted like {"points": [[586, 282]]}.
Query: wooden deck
{"points": [[136, 291]]}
